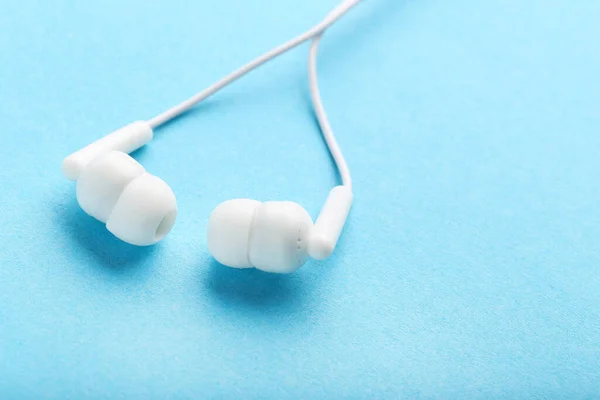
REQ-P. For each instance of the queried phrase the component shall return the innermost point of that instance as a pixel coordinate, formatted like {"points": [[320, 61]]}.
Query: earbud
{"points": [[275, 236], [137, 207], [270, 236], [280, 236]]}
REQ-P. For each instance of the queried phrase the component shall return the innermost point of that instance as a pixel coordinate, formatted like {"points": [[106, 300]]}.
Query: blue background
{"points": [[470, 263]]}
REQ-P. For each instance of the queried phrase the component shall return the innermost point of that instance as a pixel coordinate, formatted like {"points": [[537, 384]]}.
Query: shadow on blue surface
{"points": [[91, 235], [254, 289]]}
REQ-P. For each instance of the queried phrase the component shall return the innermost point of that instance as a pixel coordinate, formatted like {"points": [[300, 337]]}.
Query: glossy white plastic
{"points": [[112, 187], [331, 221], [278, 236], [270, 236], [103, 180], [127, 139], [136, 207], [229, 231], [145, 212]]}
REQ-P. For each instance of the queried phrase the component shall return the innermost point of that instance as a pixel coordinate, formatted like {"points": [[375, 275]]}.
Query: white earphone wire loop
{"points": [[318, 29], [325, 126]]}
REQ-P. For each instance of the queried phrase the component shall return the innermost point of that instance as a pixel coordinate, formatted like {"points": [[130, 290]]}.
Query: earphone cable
{"points": [[179, 109], [322, 118]]}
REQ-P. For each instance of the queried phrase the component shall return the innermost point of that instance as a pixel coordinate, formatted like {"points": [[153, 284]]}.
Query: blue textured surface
{"points": [[470, 265]]}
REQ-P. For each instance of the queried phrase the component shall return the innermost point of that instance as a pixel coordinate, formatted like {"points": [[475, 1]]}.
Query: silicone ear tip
{"points": [[145, 212], [228, 232]]}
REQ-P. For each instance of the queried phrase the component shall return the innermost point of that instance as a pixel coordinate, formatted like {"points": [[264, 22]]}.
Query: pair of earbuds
{"points": [[141, 209]]}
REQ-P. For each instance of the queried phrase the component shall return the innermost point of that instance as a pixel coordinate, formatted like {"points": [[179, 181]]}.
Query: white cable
{"points": [[324, 124], [318, 29]]}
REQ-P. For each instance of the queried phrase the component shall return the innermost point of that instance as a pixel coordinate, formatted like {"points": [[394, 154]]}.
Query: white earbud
{"points": [[112, 187], [270, 236], [280, 236], [275, 236]]}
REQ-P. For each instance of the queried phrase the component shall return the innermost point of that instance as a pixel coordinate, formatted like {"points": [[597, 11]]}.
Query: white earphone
{"points": [[112, 187], [140, 208]]}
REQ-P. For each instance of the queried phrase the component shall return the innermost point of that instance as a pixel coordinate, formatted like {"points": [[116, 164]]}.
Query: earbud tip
{"points": [[228, 232], [145, 212]]}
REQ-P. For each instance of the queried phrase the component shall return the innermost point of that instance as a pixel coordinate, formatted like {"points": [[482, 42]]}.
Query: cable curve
{"points": [[324, 124], [318, 29]]}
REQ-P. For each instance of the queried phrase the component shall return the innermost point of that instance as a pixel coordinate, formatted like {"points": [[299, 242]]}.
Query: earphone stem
{"points": [[127, 139], [330, 223]]}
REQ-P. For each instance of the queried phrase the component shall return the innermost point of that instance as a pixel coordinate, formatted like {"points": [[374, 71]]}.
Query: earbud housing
{"points": [[270, 236]]}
